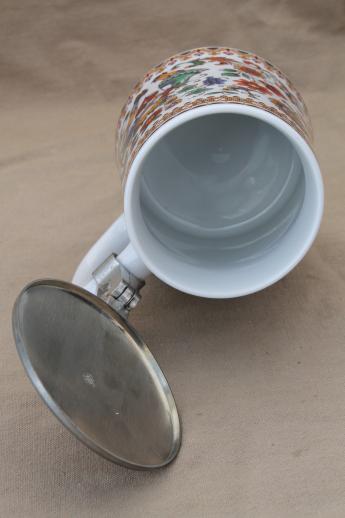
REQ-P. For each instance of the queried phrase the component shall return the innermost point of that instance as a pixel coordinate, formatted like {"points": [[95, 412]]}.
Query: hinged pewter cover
{"points": [[96, 374]]}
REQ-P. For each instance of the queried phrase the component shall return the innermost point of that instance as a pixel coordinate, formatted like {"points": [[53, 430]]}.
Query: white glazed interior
{"points": [[223, 200]]}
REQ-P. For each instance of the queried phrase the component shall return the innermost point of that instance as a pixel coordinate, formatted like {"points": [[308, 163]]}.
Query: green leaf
{"points": [[230, 72]]}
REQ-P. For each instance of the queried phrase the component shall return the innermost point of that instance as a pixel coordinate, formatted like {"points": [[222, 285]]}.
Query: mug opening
{"points": [[223, 203]]}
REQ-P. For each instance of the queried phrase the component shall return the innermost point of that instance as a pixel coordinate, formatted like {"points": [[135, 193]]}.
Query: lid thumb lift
{"points": [[117, 286]]}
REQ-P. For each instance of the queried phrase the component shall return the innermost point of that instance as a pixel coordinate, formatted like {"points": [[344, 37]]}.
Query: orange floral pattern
{"points": [[202, 76]]}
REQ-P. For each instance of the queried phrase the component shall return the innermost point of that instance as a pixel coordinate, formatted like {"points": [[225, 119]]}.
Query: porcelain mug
{"points": [[223, 194]]}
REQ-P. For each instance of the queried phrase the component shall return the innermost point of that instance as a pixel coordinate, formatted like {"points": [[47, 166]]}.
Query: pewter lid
{"points": [[96, 375]]}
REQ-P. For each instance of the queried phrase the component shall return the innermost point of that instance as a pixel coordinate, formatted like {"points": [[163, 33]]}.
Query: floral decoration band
{"points": [[203, 76]]}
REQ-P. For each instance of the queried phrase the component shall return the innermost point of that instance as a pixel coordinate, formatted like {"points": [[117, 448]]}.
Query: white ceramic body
{"points": [[142, 254]]}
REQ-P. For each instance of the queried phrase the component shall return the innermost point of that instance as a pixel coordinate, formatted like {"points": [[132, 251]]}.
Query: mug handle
{"points": [[115, 240]]}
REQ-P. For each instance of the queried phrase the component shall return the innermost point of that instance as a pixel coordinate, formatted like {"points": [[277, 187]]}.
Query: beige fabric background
{"points": [[259, 381]]}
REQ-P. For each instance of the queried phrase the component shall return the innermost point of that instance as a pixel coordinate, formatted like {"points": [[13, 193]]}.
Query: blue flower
{"points": [[209, 81]]}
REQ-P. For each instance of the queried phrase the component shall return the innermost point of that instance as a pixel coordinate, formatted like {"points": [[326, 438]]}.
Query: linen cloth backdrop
{"points": [[259, 381]]}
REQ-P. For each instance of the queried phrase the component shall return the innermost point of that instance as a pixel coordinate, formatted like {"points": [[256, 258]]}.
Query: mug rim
{"points": [[304, 152]]}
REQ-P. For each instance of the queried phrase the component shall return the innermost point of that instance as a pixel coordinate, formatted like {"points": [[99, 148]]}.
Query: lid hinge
{"points": [[117, 286]]}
